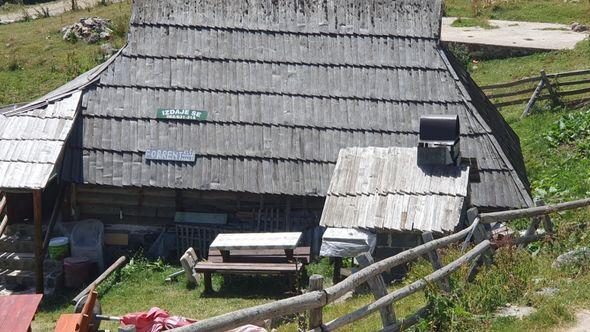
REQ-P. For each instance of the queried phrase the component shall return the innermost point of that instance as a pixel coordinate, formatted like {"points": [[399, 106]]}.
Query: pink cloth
{"points": [[155, 320]]}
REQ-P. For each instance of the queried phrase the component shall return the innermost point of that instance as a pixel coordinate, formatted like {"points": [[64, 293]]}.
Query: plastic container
{"points": [[77, 271], [59, 248], [86, 240]]}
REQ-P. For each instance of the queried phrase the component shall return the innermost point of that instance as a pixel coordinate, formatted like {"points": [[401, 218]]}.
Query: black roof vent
{"points": [[439, 129]]}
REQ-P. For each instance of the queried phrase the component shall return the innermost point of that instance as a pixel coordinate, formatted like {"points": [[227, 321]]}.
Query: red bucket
{"points": [[77, 271]]}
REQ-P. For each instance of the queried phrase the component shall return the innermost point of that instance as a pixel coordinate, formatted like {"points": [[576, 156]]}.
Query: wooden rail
{"points": [[317, 298], [3, 214], [569, 87]]}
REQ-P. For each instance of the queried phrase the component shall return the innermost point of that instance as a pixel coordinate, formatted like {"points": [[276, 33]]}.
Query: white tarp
{"points": [[347, 242]]}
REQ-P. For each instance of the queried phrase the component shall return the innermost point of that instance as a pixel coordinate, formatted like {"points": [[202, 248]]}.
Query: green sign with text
{"points": [[180, 114]]}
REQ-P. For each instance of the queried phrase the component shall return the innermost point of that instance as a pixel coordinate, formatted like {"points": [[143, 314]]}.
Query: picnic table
{"points": [[255, 253], [17, 311]]}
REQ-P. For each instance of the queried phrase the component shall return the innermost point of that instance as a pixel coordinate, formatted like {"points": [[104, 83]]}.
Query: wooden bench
{"points": [[255, 253]]}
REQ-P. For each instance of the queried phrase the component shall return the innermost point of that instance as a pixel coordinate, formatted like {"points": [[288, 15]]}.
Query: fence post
{"points": [[480, 234], [316, 282], [378, 288], [554, 96], [435, 261], [535, 222], [533, 99]]}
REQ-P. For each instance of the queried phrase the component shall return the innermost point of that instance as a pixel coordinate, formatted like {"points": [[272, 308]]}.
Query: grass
{"points": [[466, 22], [551, 11], [34, 59]]}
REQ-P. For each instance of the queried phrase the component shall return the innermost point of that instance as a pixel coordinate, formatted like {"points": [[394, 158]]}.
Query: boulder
{"points": [[89, 29], [573, 257]]}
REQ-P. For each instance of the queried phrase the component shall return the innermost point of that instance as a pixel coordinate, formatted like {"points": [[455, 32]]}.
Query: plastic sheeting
{"points": [[347, 242]]}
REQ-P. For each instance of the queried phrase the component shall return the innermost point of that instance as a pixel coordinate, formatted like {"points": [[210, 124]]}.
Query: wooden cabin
{"points": [[229, 115]]}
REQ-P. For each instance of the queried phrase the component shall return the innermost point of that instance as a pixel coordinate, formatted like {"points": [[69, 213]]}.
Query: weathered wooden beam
{"points": [[38, 241], [408, 320], [3, 224], [510, 94], [488, 218], [435, 262], [569, 73], [118, 263], [510, 84], [407, 290], [529, 106], [360, 277], [316, 283], [552, 92], [52, 219], [2, 203], [304, 302], [378, 288]]}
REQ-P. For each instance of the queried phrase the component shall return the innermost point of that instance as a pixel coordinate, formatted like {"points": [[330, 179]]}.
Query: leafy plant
{"points": [[571, 128], [322, 267]]}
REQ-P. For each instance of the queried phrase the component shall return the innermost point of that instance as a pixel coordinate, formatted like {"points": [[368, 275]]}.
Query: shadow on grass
{"points": [[249, 287]]}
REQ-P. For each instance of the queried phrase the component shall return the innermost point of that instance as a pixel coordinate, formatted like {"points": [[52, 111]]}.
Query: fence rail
{"points": [[566, 87], [314, 301]]}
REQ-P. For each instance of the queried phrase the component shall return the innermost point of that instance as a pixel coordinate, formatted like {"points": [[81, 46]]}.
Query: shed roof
{"points": [[286, 85], [384, 188], [32, 142]]}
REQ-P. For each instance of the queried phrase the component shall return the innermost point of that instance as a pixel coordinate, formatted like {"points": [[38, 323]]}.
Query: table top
{"points": [[17, 311], [240, 241]]}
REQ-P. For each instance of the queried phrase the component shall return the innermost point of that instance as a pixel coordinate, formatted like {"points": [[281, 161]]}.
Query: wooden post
{"points": [[316, 283], [532, 229], [435, 261], [533, 99], [377, 285], [37, 212], [337, 269], [479, 235], [552, 92]]}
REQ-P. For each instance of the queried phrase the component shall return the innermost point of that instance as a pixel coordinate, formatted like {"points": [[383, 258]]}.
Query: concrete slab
{"points": [[526, 35]]}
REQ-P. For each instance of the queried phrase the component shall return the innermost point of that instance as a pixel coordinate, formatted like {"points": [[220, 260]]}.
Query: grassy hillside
{"points": [[552, 11], [34, 59]]}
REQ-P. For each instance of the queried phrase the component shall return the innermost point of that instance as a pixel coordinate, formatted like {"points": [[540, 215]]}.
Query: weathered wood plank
{"points": [[510, 94], [304, 302], [408, 320], [511, 84], [379, 289], [231, 241], [407, 290], [38, 241], [500, 216]]}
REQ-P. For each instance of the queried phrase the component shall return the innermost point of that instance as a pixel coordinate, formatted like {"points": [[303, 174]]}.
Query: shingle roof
{"points": [[32, 142], [287, 84], [384, 188]]}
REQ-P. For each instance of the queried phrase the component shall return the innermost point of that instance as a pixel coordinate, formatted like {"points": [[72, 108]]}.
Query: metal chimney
{"points": [[439, 140]]}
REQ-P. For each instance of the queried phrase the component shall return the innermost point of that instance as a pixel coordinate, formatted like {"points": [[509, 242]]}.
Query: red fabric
{"points": [[155, 320]]}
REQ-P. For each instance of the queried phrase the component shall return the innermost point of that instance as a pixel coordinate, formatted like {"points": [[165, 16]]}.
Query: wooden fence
{"points": [[317, 297], [567, 87]]}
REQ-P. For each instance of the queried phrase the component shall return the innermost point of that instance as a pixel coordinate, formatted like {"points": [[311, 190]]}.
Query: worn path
{"points": [[54, 8], [582, 322], [529, 35]]}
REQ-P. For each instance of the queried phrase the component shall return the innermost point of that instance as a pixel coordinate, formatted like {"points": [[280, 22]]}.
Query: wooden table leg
{"points": [[337, 268], [289, 254], [225, 255], [208, 283]]}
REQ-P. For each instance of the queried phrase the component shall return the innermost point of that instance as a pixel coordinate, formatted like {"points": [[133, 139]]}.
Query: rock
{"points": [[573, 257], [577, 27], [89, 29], [547, 291], [515, 311]]}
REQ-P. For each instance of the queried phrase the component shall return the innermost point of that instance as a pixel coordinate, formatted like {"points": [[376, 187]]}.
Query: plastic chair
{"points": [[87, 241]]}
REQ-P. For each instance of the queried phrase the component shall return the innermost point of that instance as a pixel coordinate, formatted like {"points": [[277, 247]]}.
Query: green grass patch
{"points": [[550, 11], [464, 22], [34, 59]]}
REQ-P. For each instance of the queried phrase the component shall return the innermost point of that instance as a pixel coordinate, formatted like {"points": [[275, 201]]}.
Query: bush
{"points": [[571, 128]]}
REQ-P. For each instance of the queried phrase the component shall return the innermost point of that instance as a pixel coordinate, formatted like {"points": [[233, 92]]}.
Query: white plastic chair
{"points": [[87, 241]]}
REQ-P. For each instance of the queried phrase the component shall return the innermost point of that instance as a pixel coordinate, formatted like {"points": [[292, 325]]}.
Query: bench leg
{"points": [[207, 282]]}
